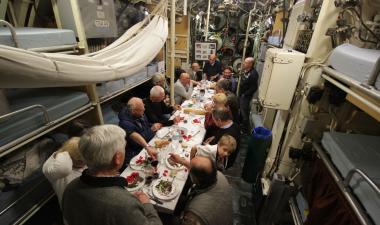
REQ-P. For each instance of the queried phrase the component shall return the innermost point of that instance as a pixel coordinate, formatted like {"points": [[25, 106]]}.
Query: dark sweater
{"points": [[141, 126], [212, 70], [248, 84], [92, 200], [155, 112]]}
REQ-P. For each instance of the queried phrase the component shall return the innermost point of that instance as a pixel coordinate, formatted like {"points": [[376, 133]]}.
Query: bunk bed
{"points": [[38, 39], [352, 161], [345, 181]]}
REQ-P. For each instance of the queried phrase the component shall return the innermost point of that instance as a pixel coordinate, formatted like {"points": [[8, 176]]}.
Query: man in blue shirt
{"points": [[132, 119]]}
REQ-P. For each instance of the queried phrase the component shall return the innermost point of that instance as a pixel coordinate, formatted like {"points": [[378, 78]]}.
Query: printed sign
{"points": [[204, 49]]}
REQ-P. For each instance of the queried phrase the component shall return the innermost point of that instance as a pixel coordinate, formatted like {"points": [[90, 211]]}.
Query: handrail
{"points": [[19, 142], [371, 91], [350, 175], [13, 32], [347, 193], [46, 114]]}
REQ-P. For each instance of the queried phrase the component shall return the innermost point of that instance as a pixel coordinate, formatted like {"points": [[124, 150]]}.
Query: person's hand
{"points": [[177, 119], [142, 197], [177, 107], [193, 152], [208, 140], [176, 158], [155, 127], [208, 107], [151, 151]]}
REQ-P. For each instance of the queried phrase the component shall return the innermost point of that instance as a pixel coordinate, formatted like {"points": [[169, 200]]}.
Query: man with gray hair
{"points": [[248, 87], [132, 119], [156, 109], [195, 72], [183, 88], [99, 196]]}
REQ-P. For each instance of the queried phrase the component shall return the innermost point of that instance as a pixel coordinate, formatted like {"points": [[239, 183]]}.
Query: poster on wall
{"points": [[204, 49]]}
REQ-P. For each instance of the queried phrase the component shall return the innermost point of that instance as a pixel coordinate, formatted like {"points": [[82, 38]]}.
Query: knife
{"points": [[155, 199]]}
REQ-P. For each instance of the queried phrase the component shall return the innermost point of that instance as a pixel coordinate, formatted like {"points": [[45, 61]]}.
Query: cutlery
{"points": [[155, 199]]}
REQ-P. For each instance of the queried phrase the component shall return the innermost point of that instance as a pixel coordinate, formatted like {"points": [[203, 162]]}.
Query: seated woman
{"points": [[63, 166]]}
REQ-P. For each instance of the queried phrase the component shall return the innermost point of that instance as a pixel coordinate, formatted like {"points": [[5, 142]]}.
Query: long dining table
{"points": [[192, 133]]}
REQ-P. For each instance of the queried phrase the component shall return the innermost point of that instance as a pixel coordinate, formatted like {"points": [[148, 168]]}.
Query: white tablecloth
{"points": [[197, 131]]}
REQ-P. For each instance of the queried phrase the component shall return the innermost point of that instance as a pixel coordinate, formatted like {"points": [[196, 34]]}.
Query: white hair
{"points": [[99, 144], [156, 91], [157, 77]]}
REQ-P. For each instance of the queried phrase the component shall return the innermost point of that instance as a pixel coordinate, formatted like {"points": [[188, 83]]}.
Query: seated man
{"points": [[212, 68], [224, 86], [227, 75], [156, 109], [159, 79], [209, 201], [183, 88], [226, 125], [195, 72], [99, 197], [133, 120]]}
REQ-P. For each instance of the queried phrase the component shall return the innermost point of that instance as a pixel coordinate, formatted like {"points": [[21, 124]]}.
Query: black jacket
{"points": [[155, 112], [248, 83], [212, 70]]}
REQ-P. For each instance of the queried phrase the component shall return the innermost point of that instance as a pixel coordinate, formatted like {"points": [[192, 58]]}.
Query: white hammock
{"points": [[137, 47]]}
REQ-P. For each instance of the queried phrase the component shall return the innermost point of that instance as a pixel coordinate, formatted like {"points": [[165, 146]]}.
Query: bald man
{"points": [[248, 86], [210, 200], [183, 88], [132, 119], [212, 69]]}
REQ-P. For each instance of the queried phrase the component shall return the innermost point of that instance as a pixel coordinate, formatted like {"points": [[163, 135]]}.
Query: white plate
{"points": [[173, 167], [133, 164], [159, 195], [161, 133], [139, 185]]}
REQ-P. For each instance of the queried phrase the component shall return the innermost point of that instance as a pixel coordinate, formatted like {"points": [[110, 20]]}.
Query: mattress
{"points": [[38, 37], [58, 102], [109, 116], [350, 151], [357, 63], [152, 69]]}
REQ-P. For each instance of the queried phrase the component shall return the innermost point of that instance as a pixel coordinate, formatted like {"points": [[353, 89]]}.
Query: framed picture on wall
{"points": [[203, 50]]}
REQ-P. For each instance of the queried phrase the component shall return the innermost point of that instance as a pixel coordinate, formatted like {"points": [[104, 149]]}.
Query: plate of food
{"points": [[164, 189], [173, 165], [135, 181], [164, 131], [139, 162], [161, 143]]}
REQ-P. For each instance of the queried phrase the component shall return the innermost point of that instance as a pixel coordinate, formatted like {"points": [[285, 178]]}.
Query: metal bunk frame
{"points": [[49, 126], [343, 185]]}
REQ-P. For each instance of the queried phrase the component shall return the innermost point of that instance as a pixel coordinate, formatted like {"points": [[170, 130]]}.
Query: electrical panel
{"points": [[98, 17], [280, 76]]}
